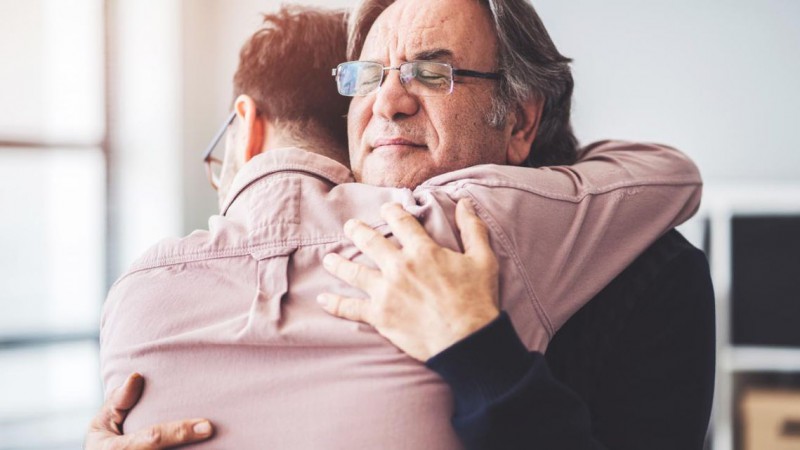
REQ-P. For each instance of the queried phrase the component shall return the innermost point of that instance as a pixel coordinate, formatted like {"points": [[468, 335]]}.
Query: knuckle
{"points": [[404, 218], [363, 235], [480, 226], [100, 420], [380, 317], [107, 420], [406, 221], [347, 271], [401, 267], [155, 436], [350, 309], [427, 250], [371, 237], [181, 433], [392, 209], [335, 306], [114, 416], [358, 271]]}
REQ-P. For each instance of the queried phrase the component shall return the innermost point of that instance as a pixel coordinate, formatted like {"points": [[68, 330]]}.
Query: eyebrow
{"points": [[433, 54]]}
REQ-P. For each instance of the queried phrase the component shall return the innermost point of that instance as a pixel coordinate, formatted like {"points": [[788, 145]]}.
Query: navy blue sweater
{"points": [[633, 369]]}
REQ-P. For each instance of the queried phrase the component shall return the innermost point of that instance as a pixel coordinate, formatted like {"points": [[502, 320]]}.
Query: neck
{"points": [[309, 138]]}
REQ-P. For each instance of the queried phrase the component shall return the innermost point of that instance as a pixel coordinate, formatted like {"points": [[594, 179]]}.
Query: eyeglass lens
{"points": [[424, 78]]}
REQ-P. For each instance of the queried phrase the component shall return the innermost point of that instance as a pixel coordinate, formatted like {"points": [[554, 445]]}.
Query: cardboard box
{"points": [[771, 419]]}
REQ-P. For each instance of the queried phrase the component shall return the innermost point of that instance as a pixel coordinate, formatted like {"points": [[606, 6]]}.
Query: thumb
{"points": [[474, 232], [126, 396]]}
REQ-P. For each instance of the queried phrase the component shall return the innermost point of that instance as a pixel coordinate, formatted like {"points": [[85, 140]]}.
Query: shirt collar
{"points": [[285, 159]]}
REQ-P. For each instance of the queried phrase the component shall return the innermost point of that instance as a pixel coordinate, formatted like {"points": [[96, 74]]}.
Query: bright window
{"points": [[52, 233]]}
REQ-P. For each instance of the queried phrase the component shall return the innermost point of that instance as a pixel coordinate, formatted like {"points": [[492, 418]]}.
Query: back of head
{"points": [[531, 66], [286, 68]]}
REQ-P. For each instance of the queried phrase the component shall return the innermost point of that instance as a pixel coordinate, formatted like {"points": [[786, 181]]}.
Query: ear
{"points": [[252, 129], [525, 120]]}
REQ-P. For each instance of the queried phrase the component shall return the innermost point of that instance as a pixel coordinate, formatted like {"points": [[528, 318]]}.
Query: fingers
{"points": [[369, 241], [126, 396], [474, 233], [167, 435], [115, 409], [346, 308], [351, 273], [405, 227]]}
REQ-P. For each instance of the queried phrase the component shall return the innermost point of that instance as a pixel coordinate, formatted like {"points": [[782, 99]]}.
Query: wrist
{"points": [[483, 365], [465, 327]]}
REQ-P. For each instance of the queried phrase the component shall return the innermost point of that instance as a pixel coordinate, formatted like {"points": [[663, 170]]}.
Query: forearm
{"points": [[639, 358], [507, 398], [563, 233]]}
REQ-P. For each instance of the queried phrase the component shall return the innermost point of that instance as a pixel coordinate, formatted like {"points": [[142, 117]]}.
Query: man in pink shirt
{"points": [[235, 304]]}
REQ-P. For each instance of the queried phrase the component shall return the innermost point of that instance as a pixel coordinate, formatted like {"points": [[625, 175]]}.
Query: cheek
{"points": [[469, 141], [358, 116], [459, 136], [458, 118], [480, 143]]}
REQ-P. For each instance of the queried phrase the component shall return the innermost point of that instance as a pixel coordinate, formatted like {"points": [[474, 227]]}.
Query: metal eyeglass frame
{"points": [[208, 159], [453, 72]]}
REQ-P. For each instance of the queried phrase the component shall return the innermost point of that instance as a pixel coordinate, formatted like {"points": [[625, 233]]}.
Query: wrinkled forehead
{"points": [[410, 28]]}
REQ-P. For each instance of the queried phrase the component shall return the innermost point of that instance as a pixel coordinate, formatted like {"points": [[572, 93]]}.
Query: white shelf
{"points": [[761, 359], [721, 203]]}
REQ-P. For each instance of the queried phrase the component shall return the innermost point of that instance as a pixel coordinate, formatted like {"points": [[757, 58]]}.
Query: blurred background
{"points": [[107, 105]]}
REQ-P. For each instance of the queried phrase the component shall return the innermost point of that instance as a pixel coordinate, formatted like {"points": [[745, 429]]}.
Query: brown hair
{"points": [[286, 68], [531, 66]]}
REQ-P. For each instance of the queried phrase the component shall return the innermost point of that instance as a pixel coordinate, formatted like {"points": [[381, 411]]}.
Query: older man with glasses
{"points": [[438, 304]]}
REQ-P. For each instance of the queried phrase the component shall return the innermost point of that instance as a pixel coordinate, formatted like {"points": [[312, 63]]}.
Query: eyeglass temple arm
{"points": [[474, 74], [218, 136]]}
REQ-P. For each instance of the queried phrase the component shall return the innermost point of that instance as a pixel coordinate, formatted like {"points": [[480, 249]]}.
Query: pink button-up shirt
{"points": [[224, 324]]}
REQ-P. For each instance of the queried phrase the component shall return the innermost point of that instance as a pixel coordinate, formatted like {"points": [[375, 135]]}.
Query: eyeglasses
{"points": [[423, 78], [214, 165]]}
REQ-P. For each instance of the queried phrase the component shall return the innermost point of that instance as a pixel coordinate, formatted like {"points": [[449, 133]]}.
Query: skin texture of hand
{"points": [[423, 297], [105, 430]]}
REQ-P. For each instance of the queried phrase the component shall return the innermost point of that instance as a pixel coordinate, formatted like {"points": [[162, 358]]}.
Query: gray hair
{"points": [[531, 66]]}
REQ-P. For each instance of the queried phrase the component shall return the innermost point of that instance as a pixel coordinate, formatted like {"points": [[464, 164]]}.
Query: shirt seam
{"points": [[152, 263], [605, 189], [503, 240]]}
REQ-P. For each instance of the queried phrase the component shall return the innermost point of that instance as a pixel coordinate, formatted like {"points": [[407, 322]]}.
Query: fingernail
{"points": [[327, 260], [120, 391], [202, 428], [322, 299], [468, 204], [349, 225]]}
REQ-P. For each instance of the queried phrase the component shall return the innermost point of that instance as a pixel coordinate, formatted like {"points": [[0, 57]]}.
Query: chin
{"points": [[388, 182], [375, 175]]}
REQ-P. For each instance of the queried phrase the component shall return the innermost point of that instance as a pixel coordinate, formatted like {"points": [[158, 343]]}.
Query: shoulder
{"points": [[666, 291], [641, 353], [670, 260], [224, 238], [643, 295], [176, 287]]}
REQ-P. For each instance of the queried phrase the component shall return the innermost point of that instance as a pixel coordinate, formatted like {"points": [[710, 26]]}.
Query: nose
{"points": [[392, 101]]}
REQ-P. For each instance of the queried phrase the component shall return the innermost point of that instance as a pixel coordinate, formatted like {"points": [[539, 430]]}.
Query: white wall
{"points": [[718, 79]]}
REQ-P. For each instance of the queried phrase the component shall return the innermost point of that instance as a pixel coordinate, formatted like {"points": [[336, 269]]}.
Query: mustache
{"points": [[393, 129]]}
